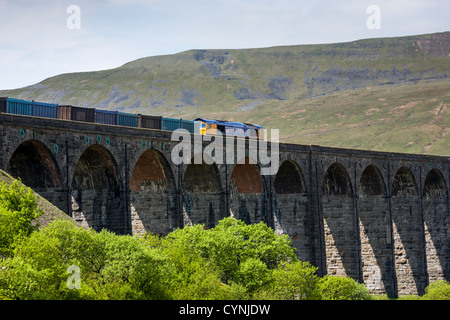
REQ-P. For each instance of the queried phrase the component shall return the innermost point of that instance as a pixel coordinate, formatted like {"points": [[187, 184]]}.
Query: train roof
{"points": [[254, 125], [230, 123]]}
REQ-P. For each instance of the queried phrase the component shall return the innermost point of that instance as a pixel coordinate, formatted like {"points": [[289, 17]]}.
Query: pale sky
{"points": [[43, 38]]}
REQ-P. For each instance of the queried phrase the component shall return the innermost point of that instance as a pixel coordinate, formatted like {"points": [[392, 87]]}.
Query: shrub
{"points": [[18, 210], [292, 281], [439, 290], [340, 288]]}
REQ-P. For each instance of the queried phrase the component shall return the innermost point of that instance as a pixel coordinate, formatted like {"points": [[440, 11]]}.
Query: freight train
{"points": [[73, 113]]}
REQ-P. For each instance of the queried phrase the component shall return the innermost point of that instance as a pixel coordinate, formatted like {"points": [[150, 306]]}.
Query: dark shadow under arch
{"points": [[96, 169], [35, 165], [202, 178], [434, 184], [404, 183], [289, 179], [371, 182], [337, 181]]}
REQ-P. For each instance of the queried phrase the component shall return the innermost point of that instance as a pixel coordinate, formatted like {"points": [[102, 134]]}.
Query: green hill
{"points": [[387, 94]]}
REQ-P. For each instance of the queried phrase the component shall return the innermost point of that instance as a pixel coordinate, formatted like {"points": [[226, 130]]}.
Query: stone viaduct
{"points": [[380, 218]]}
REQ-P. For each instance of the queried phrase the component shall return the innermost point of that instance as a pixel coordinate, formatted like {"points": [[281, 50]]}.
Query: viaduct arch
{"points": [[380, 218]]}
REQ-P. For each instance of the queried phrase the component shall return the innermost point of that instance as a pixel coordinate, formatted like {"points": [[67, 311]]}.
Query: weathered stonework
{"points": [[380, 218]]}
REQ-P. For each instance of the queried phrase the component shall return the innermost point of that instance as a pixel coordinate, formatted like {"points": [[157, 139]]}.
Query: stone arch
{"points": [[371, 181], [407, 230], [246, 178], [202, 198], [289, 179], [96, 168], [290, 206], [152, 171], [249, 202], [35, 165], [436, 221], [152, 195], [38, 169], [337, 181], [96, 198], [341, 250], [434, 185], [404, 183], [201, 178]]}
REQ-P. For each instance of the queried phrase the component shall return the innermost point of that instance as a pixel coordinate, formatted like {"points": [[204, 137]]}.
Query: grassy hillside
{"points": [[409, 118], [386, 94]]}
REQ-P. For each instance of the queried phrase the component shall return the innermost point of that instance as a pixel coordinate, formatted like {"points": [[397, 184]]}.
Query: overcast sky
{"points": [[43, 38]]}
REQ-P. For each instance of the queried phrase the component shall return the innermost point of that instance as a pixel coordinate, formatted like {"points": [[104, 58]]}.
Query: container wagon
{"points": [[106, 117], [68, 112], [149, 122], [170, 124], [18, 106], [127, 119], [45, 110]]}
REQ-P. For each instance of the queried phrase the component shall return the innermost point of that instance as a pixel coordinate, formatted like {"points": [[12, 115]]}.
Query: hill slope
{"points": [[379, 94], [51, 213]]}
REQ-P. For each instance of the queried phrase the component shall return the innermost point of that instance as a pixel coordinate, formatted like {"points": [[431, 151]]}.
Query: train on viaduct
{"points": [[380, 218]]}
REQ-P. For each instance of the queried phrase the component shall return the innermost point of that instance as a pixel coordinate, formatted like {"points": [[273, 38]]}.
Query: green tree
{"points": [[18, 211]]}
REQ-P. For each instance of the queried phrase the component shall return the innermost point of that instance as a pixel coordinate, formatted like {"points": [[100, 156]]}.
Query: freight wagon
{"points": [[45, 110], [73, 113]]}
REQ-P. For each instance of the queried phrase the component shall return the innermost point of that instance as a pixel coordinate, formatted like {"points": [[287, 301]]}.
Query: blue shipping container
{"points": [[188, 125], [17, 106], [106, 117], [45, 110], [127, 119]]}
